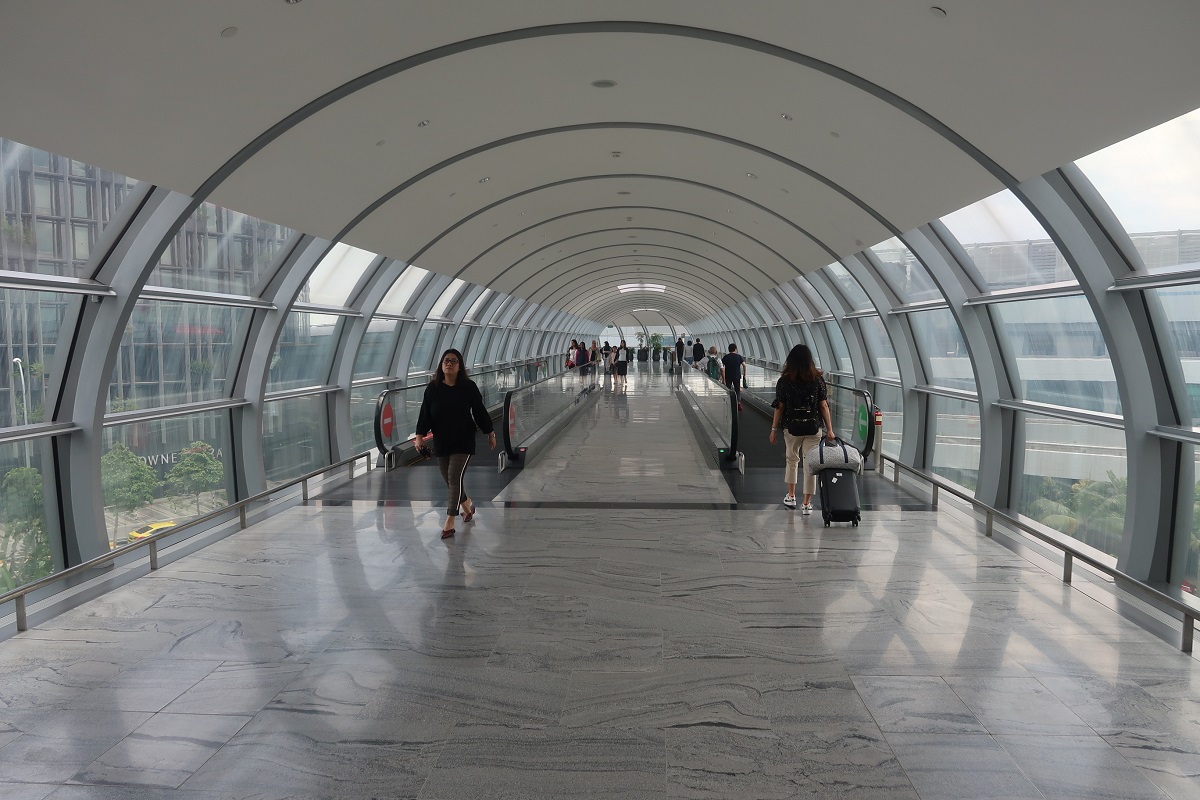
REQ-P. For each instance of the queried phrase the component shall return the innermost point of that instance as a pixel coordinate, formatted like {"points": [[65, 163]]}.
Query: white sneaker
{"points": [[806, 508], [789, 500]]}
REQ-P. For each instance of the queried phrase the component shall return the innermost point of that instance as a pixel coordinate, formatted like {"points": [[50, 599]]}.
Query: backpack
{"points": [[803, 415], [714, 368]]}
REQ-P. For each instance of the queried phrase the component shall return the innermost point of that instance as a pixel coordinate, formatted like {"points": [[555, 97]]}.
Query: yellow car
{"points": [[146, 530]]}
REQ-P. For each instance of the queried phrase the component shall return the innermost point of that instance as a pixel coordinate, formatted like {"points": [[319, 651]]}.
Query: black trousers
{"points": [[454, 469]]}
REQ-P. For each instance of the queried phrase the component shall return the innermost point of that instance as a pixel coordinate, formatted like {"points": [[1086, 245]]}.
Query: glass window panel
{"points": [[942, 347], [1061, 356], [879, 347], [446, 298], [460, 340], [82, 241], [336, 276], [1075, 480], [819, 307], [305, 351], [1191, 500], [1007, 245], [219, 250], [904, 273], [375, 353], [422, 353], [477, 306], [1180, 305], [48, 240], [362, 414], [841, 353], [956, 444], [397, 299], [29, 327], [851, 291], [1151, 181], [164, 471], [295, 437], [479, 351], [173, 353], [891, 402], [28, 513], [81, 199]]}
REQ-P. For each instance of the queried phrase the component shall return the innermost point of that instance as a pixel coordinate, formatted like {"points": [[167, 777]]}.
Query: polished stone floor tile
{"points": [[1078, 768], [530, 763], [914, 704], [1010, 705], [956, 766]]}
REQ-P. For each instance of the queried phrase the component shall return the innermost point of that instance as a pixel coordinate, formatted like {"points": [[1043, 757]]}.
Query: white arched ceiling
{"points": [[756, 141]]}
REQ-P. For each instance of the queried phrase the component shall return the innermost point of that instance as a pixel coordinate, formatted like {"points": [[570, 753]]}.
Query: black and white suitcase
{"points": [[839, 496]]}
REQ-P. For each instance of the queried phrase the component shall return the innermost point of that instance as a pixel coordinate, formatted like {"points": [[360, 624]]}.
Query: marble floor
{"points": [[643, 650]]}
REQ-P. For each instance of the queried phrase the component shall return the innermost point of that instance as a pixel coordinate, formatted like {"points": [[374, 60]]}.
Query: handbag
{"points": [[837, 455]]}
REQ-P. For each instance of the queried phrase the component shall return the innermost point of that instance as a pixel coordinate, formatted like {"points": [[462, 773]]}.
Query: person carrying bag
{"points": [[801, 404]]}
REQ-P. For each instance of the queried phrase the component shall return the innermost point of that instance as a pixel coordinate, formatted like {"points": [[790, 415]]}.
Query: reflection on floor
{"points": [[341, 649]]}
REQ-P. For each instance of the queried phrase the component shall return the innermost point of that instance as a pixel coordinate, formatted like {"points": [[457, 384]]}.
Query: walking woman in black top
{"points": [[451, 400], [801, 406]]}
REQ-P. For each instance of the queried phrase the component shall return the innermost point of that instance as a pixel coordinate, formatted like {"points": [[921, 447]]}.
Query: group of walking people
{"points": [[453, 408]]}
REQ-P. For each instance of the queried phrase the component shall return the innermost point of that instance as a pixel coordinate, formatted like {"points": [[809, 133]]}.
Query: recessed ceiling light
{"points": [[937, 11], [381, 143], [835, 134], [632, 237], [229, 33], [423, 123], [858, 242], [484, 179], [622, 192], [751, 175], [788, 117], [604, 83], [292, 2]]}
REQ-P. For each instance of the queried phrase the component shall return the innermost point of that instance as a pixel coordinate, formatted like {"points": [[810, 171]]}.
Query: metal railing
{"points": [[19, 594], [1070, 554]]}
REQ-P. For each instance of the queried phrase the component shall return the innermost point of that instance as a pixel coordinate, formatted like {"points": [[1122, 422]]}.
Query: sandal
{"points": [[447, 533]]}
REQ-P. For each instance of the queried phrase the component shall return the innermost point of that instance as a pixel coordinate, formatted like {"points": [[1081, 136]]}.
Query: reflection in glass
{"points": [[891, 402], [160, 473], [1075, 480], [1151, 182], [1061, 357], [879, 347], [904, 273], [29, 326], [1181, 307], [220, 250], [295, 438], [422, 353], [305, 351], [375, 352], [34, 217], [1191, 502], [841, 353], [1007, 245], [851, 291], [173, 353], [27, 509], [956, 446], [947, 361]]}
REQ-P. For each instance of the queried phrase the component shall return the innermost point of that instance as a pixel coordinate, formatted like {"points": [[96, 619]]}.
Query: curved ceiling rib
{"points": [[596, 126], [626, 176], [530, 228], [642, 245], [698, 297], [651, 28], [629, 272]]}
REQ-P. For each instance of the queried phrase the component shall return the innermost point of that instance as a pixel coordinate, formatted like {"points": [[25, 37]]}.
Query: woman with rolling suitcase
{"points": [[801, 405]]}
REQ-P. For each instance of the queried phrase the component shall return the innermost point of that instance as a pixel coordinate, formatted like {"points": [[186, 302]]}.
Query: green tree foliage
{"points": [[1091, 511], [26, 551], [128, 482], [197, 471]]}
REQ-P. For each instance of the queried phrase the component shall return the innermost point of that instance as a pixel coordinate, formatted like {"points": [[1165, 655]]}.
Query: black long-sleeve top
{"points": [[447, 411]]}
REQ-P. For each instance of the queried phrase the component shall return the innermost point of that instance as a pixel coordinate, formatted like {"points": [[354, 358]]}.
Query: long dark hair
{"points": [[440, 377], [800, 366]]}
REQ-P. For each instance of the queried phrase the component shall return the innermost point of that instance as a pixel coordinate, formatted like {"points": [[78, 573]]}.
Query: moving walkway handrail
{"points": [[510, 447], [18, 594], [734, 417], [1070, 554]]}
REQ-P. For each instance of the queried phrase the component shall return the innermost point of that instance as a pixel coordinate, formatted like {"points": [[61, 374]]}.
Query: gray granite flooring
{"points": [[548, 652]]}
